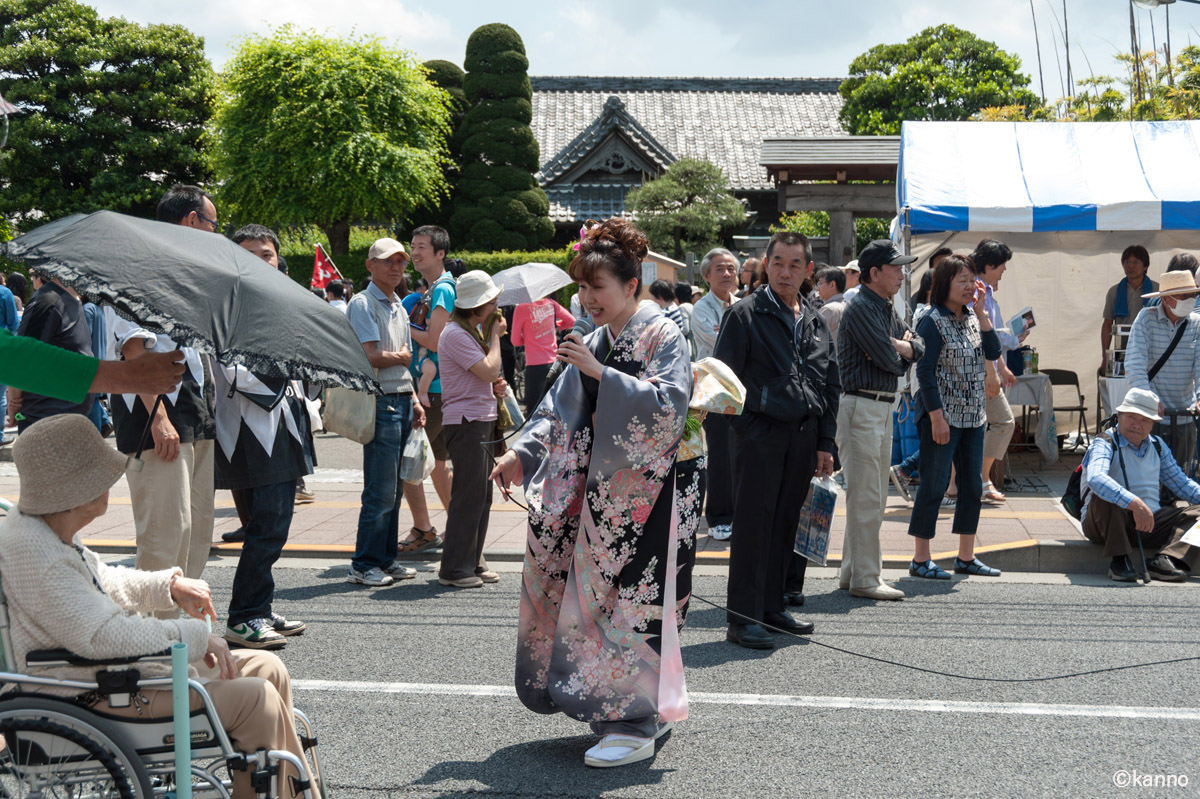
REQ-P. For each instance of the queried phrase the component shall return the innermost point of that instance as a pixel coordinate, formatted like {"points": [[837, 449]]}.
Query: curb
{"points": [[1054, 556]]}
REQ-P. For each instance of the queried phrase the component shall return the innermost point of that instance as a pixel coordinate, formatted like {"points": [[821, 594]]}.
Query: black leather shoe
{"points": [[794, 599], [751, 636], [784, 621], [1181, 564], [234, 537], [1121, 570], [1161, 568]]}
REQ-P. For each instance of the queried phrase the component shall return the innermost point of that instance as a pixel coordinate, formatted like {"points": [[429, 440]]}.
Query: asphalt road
{"points": [[410, 689]]}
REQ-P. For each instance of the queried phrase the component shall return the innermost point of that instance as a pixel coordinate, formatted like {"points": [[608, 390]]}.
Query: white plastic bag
{"points": [[816, 518], [417, 462], [514, 410]]}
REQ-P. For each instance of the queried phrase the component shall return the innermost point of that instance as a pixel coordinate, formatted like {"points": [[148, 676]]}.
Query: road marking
{"points": [[776, 700]]}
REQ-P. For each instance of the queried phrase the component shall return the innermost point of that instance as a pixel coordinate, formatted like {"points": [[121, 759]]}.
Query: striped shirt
{"points": [[1100, 473], [1176, 383], [867, 361]]}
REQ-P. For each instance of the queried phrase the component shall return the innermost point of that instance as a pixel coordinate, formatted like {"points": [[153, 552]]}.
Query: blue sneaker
{"points": [[929, 570], [974, 566]]}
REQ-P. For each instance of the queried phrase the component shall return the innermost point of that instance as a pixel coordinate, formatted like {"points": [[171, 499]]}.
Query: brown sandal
{"points": [[426, 539]]}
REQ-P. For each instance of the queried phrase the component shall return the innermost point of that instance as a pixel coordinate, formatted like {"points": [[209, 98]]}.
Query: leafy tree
{"points": [[112, 111], [942, 73], [328, 131], [690, 206], [498, 204]]}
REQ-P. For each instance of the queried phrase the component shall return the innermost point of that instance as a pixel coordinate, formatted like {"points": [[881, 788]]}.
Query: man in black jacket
{"points": [[783, 353]]}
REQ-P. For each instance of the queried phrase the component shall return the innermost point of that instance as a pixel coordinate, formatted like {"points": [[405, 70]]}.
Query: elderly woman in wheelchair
{"points": [[60, 595]]}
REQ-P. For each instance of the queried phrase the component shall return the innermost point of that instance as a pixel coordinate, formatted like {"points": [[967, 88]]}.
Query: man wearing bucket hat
{"points": [[1122, 472], [1163, 356], [61, 594], [469, 350]]}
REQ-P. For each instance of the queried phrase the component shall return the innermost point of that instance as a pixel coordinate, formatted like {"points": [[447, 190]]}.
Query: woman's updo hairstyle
{"points": [[614, 244]]}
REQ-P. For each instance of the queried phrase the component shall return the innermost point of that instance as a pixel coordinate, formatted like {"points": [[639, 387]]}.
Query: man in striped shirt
{"points": [[875, 348], [1177, 380], [1122, 472]]}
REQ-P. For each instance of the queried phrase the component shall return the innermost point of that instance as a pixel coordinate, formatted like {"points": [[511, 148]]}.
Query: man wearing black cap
{"points": [[875, 348]]}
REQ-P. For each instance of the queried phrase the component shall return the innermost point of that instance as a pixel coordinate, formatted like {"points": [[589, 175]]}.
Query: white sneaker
{"points": [[721, 532], [373, 577], [618, 750], [398, 571], [882, 591], [902, 482]]}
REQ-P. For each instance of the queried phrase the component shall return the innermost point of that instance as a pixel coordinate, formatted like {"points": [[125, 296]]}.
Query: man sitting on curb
{"points": [[1122, 472]]}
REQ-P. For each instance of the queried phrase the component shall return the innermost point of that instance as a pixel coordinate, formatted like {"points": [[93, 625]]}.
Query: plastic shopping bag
{"points": [[816, 517], [514, 411], [417, 461]]}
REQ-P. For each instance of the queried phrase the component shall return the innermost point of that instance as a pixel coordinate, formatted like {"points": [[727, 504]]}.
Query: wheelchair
{"points": [[54, 748]]}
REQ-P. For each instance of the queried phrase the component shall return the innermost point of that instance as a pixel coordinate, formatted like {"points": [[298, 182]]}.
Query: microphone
{"points": [[582, 326]]}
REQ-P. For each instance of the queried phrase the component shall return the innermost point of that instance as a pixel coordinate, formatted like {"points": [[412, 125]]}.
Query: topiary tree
{"points": [[498, 204]]}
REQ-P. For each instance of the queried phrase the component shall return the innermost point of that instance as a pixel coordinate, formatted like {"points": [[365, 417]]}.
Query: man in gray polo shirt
{"points": [[382, 327]]}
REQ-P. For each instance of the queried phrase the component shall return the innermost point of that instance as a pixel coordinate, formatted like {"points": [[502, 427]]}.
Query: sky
{"points": [[715, 38]]}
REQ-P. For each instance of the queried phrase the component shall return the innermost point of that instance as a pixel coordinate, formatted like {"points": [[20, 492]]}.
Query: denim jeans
{"points": [[379, 517], [269, 517], [965, 452], [910, 465]]}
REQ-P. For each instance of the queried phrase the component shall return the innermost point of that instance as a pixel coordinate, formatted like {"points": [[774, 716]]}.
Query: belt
{"points": [[398, 394], [878, 396]]}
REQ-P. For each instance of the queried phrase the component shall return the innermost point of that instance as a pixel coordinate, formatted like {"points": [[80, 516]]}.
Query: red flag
{"points": [[323, 270]]}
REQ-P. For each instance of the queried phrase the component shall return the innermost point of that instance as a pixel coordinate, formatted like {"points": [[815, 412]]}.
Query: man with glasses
{"points": [[1171, 329], [172, 489]]}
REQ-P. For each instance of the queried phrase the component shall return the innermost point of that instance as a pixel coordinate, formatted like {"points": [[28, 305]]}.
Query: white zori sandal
{"points": [[620, 750]]}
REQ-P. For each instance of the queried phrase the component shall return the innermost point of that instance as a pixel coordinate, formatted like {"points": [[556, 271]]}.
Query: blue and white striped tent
{"points": [[1049, 176]]}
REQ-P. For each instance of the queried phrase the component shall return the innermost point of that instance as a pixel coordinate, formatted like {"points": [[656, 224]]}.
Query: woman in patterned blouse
{"points": [[951, 413]]}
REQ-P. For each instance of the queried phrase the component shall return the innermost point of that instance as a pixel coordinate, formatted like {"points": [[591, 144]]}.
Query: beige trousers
{"points": [[173, 509], [1000, 427], [255, 709], [864, 439]]}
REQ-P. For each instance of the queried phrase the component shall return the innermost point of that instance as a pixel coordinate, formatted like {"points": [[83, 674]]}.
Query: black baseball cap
{"points": [[880, 253]]}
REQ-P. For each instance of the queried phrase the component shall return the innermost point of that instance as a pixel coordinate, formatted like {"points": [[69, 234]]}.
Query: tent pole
{"points": [[907, 288]]}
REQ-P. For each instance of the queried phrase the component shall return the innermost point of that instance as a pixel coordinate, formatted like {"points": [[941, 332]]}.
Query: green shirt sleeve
{"points": [[30, 365]]}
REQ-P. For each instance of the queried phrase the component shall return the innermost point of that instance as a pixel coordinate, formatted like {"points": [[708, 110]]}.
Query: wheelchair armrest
{"points": [[64, 657]]}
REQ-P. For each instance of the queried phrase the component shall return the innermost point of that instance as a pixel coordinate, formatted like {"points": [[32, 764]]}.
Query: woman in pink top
{"points": [[534, 324], [469, 359]]}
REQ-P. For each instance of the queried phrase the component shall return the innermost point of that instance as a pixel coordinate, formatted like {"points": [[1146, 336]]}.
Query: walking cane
{"points": [[1145, 568]]}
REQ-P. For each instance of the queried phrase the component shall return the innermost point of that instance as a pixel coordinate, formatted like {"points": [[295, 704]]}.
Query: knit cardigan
{"points": [[62, 596]]}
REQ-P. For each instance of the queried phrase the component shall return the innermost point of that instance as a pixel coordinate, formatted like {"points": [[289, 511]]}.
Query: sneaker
{"points": [[285, 627], [721, 532], [373, 577], [255, 634], [901, 481], [304, 496], [488, 576], [398, 572]]}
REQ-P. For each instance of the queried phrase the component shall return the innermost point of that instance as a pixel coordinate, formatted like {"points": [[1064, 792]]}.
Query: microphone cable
{"points": [[924, 670]]}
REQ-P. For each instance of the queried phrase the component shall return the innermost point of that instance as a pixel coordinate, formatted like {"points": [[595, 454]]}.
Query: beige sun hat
{"points": [[62, 463], [1172, 283], [475, 288], [1141, 401], [385, 248]]}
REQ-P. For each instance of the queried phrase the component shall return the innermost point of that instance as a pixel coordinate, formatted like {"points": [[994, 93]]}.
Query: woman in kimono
{"points": [[607, 552]]}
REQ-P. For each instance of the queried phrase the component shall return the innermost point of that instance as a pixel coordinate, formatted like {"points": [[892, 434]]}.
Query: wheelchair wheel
{"points": [[91, 747], [46, 759]]}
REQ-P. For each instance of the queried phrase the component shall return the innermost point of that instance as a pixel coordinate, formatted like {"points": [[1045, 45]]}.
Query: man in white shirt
{"points": [[719, 268], [831, 287]]}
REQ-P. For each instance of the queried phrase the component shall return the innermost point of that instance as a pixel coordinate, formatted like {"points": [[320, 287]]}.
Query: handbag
{"points": [[350, 414], [417, 461]]}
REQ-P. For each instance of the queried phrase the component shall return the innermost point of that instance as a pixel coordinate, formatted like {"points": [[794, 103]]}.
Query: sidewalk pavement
{"points": [[1026, 533]]}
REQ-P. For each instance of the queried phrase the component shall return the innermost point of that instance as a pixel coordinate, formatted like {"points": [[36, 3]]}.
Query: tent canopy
{"points": [[1049, 176]]}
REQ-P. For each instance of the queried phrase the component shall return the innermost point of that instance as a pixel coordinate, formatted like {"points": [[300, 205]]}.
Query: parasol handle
{"points": [[137, 458]]}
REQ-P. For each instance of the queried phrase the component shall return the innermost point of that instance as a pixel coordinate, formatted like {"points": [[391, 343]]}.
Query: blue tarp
{"points": [[1049, 176]]}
